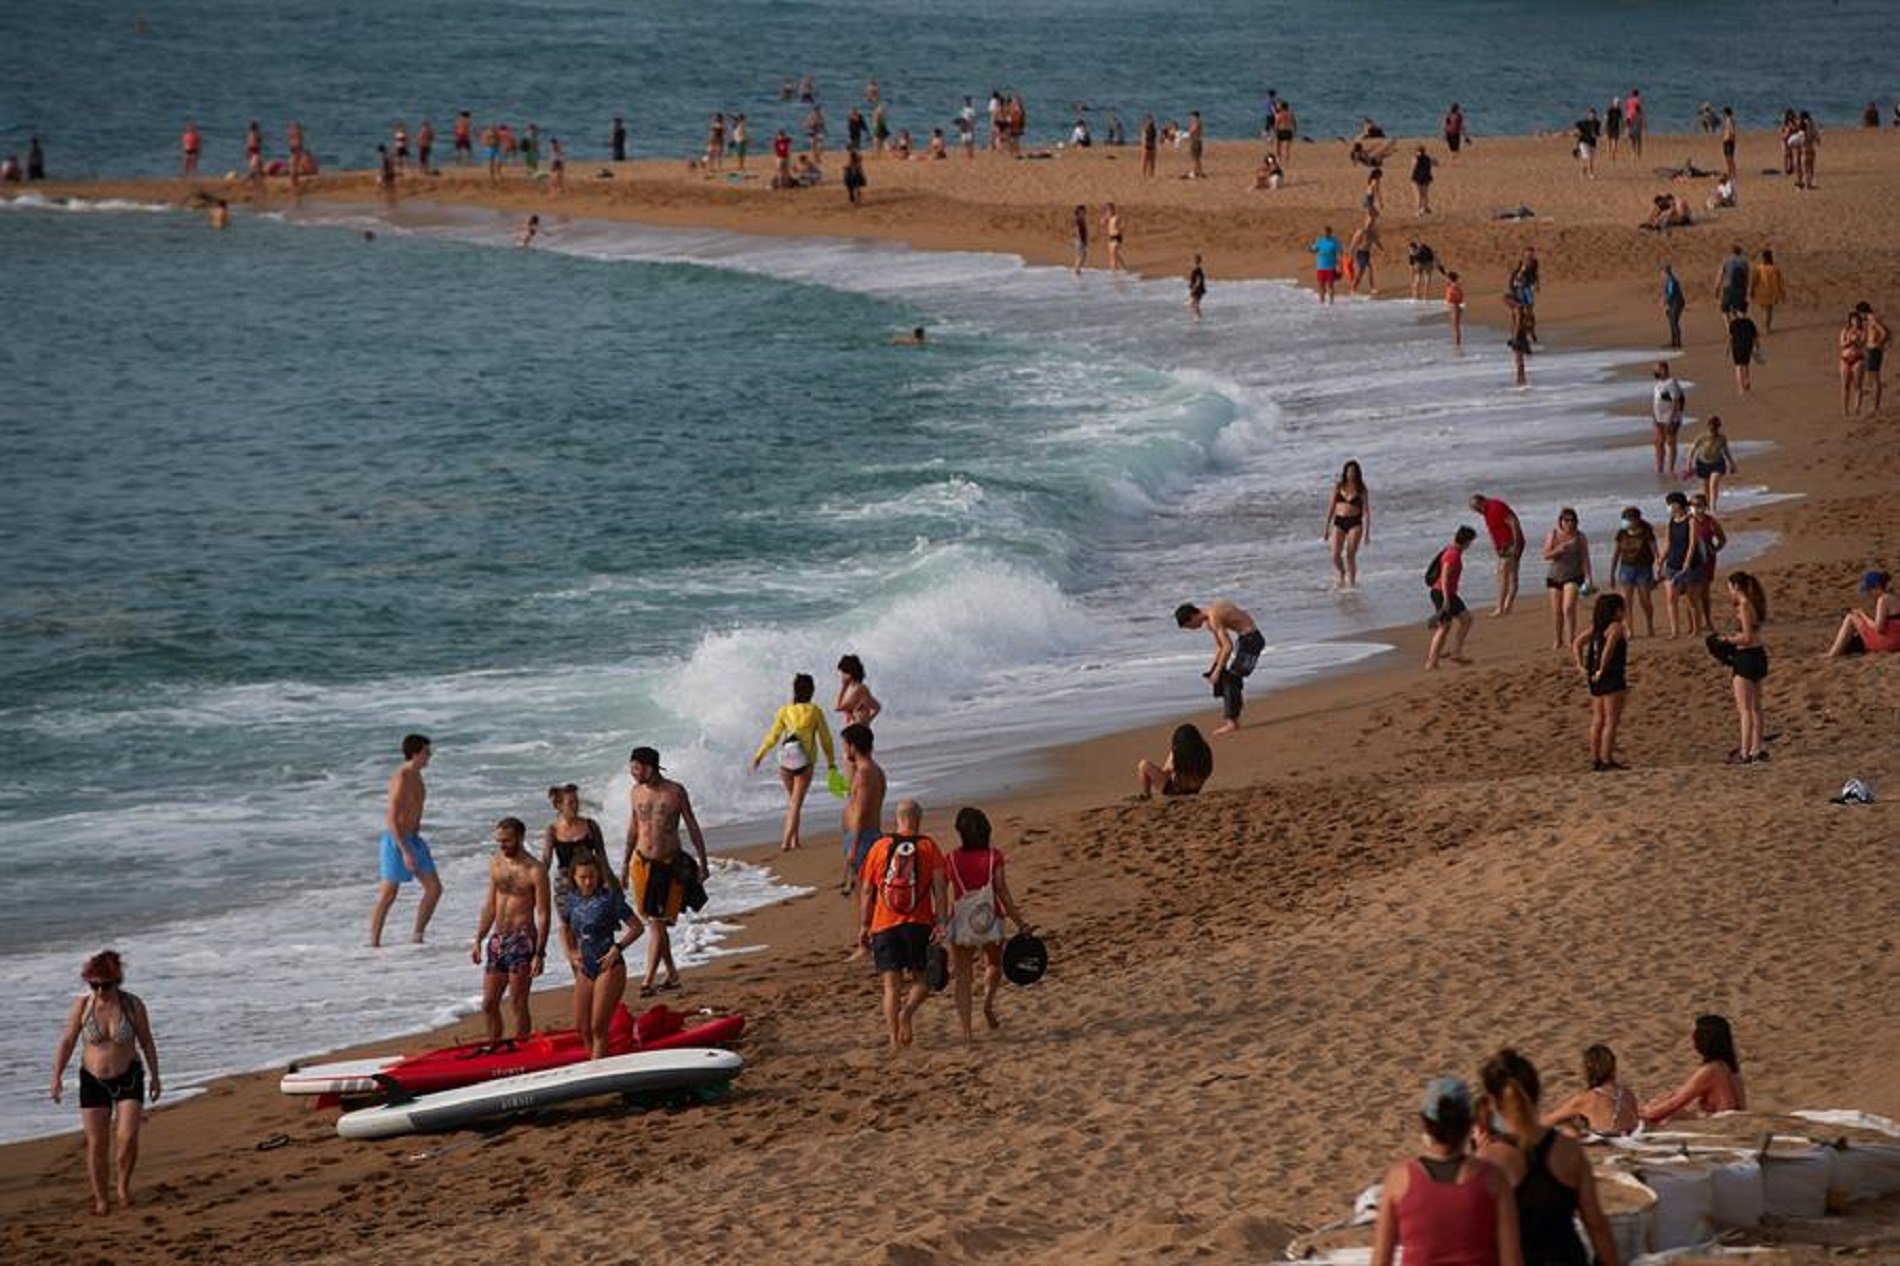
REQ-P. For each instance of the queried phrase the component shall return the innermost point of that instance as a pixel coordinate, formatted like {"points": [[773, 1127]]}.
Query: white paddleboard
{"points": [[344, 1077], [682, 1069]]}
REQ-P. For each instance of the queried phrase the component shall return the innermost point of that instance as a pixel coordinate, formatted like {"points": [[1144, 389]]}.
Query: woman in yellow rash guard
{"points": [[798, 730]]}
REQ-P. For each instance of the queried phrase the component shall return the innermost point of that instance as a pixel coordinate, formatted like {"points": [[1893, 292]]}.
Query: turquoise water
{"points": [[277, 496], [111, 100]]}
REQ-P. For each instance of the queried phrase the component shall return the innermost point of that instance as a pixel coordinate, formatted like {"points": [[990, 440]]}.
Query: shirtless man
{"points": [[864, 803], [516, 908], [1112, 228], [1197, 136], [405, 853], [1237, 646], [1874, 354], [649, 869]]}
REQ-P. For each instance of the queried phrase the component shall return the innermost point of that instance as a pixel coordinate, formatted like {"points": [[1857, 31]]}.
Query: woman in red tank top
{"points": [[1445, 1208]]}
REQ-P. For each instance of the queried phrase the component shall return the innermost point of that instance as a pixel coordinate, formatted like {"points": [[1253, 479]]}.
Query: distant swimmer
{"points": [[1238, 643], [913, 339], [220, 214], [864, 802], [405, 854], [529, 231], [655, 871], [511, 943]]}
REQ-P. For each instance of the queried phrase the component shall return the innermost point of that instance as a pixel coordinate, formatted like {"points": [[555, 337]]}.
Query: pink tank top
{"points": [[1449, 1223]]}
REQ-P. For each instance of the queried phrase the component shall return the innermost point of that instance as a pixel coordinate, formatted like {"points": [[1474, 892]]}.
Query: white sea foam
{"points": [[81, 206]]}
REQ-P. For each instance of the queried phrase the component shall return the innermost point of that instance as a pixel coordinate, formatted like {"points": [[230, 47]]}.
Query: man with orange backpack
{"points": [[903, 908]]}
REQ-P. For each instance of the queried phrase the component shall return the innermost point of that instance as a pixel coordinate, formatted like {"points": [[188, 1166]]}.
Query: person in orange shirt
{"points": [[903, 907]]}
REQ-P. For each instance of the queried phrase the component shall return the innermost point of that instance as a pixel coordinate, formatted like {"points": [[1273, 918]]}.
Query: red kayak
{"points": [[656, 1029]]}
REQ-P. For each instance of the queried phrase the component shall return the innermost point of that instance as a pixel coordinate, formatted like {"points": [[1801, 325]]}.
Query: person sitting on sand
{"points": [[1605, 1106], [1723, 195], [1548, 1170], [1269, 175], [1870, 632], [1445, 1205], [1716, 1084], [1671, 211], [1189, 765]]}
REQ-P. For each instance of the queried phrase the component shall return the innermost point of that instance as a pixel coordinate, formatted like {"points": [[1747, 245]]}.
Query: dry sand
{"points": [[1391, 874]]}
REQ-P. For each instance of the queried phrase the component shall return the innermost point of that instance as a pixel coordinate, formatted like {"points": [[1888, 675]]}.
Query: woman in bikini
{"points": [[980, 900], [1348, 524], [1567, 550], [115, 1030], [1715, 1085], [1606, 1106], [1189, 765], [569, 840], [856, 704], [1747, 659], [1853, 345]]}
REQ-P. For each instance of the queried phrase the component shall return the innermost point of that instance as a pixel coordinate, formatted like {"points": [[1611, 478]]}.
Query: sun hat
{"points": [[1025, 958], [1440, 1091]]}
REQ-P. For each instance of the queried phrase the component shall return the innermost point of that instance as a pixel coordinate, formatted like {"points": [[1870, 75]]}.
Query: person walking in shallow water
{"points": [[405, 854], [798, 731], [1348, 523], [112, 1029]]}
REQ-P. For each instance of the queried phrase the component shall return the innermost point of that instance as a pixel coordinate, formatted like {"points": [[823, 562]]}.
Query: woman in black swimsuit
{"points": [[1548, 1170], [1602, 653], [1348, 524], [568, 839], [113, 1030]]}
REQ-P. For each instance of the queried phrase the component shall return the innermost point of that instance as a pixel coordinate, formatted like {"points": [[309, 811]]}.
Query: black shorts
{"points": [[1750, 663], [130, 1084], [1447, 610], [1875, 355], [905, 947]]}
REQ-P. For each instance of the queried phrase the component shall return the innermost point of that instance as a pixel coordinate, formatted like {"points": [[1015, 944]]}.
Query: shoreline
{"points": [[1292, 751]]}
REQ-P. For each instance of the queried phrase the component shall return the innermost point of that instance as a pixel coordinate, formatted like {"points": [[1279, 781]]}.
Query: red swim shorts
{"points": [[1327, 276]]}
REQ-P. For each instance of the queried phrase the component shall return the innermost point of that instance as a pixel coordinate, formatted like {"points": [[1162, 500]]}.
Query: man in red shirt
{"points": [[1449, 613], [903, 906], [1507, 537]]}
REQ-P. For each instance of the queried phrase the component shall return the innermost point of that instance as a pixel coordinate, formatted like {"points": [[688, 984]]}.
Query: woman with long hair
{"points": [[569, 839], [1549, 1172], [592, 918], [798, 730], [1567, 550], [1189, 765], [1715, 1085], [1747, 659], [1602, 653], [1348, 523], [856, 704], [1605, 1105], [113, 1029], [979, 902]]}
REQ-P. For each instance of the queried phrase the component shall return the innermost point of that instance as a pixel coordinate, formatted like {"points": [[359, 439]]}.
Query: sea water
{"points": [[109, 86]]}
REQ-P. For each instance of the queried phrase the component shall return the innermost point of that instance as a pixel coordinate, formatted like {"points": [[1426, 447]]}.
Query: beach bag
{"points": [[792, 756], [973, 917], [936, 967], [901, 888]]}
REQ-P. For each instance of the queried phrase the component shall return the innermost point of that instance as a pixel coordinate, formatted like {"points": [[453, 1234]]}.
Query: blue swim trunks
{"points": [[857, 845], [394, 871]]}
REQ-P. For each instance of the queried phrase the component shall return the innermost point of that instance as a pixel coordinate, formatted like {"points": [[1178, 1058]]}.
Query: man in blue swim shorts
{"points": [[864, 802], [405, 854]]}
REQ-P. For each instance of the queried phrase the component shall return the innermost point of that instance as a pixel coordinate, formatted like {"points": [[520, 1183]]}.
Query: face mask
{"points": [[1628, 523]]}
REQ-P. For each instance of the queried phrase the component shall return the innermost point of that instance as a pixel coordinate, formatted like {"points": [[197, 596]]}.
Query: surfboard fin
{"points": [[392, 1089]]}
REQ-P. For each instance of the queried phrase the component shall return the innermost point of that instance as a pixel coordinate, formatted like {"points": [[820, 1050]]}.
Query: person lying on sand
{"points": [[1869, 632], [1688, 171], [1373, 155], [1671, 212]]}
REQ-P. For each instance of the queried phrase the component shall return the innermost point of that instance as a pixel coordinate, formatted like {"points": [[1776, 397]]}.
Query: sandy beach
{"points": [[1391, 874]]}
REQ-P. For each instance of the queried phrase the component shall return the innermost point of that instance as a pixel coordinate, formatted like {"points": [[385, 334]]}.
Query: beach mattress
{"points": [[689, 1068], [452, 1066]]}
